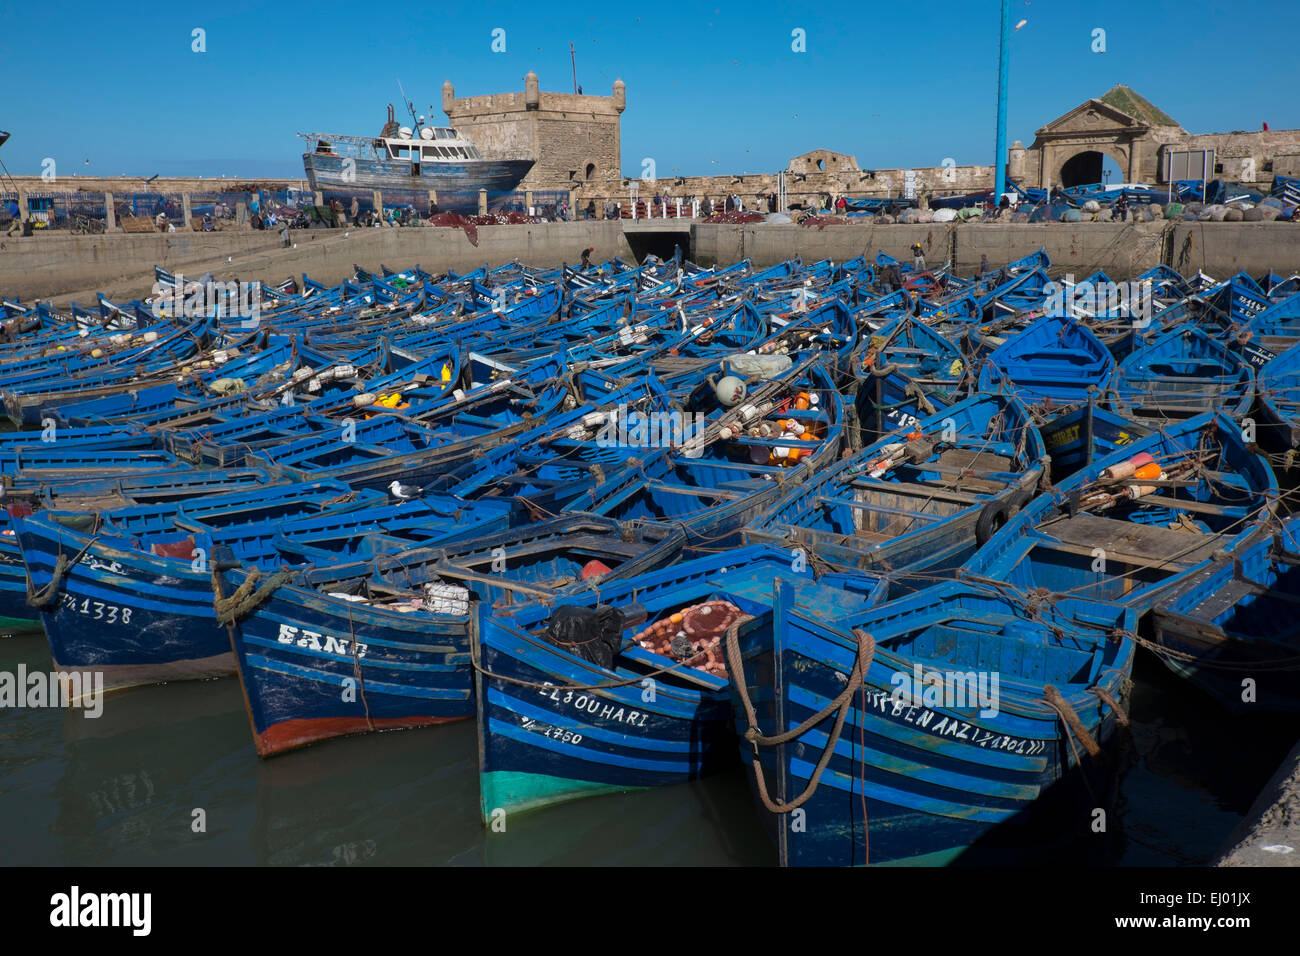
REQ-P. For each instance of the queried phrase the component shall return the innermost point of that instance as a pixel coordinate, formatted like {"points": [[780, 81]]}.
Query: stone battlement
{"points": [[572, 138]]}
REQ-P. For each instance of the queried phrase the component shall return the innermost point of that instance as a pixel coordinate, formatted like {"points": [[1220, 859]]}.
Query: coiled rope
{"points": [[245, 598]]}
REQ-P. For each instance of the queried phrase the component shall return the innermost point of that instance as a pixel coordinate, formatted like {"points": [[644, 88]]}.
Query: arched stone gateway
{"points": [[1069, 151], [1086, 166]]}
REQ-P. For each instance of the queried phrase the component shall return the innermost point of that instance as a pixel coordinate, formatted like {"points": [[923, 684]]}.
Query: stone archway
{"points": [[1081, 169], [1086, 167], [1071, 149], [1077, 163]]}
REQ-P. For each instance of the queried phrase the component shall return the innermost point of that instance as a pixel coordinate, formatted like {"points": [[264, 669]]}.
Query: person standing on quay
{"points": [[356, 211], [918, 257], [1121, 205]]}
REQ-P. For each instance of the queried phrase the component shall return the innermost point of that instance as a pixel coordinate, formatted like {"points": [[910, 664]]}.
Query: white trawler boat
{"points": [[404, 157]]}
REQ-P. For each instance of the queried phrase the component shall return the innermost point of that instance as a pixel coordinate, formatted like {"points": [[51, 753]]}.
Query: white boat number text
{"points": [[98, 610]]}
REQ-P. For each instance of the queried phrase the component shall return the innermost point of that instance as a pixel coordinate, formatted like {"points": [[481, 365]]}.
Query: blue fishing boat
{"points": [[129, 592], [384, 644], [1078, 436], [1229, 628], [1182, 373], [1053, 358], [557, 720], [1134, 524], [1277, 327], [1278, 385], [921, 499], [75, 494], [952, 724], [888, 400]]}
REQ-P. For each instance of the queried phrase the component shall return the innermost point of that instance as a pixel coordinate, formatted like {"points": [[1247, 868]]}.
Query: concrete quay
{"points": [[1270, 833], [62, 267]]}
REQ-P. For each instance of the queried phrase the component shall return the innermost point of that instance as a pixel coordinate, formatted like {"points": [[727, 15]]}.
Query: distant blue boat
{"points": [[1053, 358], [1181, 373]]}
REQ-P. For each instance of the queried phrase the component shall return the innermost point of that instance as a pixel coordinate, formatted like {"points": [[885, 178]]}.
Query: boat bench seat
{"points": [[919, 489], [1196, 507], [1139, 545], [878, 509]]}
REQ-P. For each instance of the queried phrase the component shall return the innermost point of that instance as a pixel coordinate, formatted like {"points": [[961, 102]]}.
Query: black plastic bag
{"points": [[594, 634]]}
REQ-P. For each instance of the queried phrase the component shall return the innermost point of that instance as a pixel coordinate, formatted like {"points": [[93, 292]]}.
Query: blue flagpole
{"points": [[1004, 56]]}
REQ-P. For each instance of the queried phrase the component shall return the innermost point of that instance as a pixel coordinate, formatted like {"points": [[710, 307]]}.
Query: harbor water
{"points": [[167, 776]]}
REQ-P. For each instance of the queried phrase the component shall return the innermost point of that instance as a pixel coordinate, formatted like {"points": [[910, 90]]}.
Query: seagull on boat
{"points": [[404, 492]]}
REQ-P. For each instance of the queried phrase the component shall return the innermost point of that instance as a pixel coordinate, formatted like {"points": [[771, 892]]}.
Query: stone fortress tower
{"points": [[573, 138]]}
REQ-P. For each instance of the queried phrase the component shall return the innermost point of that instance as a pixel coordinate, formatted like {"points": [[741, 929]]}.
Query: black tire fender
{"points": [[1016, 503], [992, 517]]}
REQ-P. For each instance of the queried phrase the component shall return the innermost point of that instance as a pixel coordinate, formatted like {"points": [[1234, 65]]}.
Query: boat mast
{"points": [[409, 106], [4, 138]]}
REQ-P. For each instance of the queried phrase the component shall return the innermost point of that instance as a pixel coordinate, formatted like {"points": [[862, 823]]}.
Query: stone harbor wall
{"points": [[68, 267]]}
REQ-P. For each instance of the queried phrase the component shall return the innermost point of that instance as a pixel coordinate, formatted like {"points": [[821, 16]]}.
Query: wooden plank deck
{"points": [[1140, 545]]}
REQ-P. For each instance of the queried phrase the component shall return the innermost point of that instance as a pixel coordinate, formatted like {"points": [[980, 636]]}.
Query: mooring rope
{"points": [[1071, 719], [46, 594], [842, 703], [244, 598], [1105, 697]]}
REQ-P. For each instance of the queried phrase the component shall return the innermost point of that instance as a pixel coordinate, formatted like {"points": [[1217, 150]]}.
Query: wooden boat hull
{"points": [[313, 668], [327, 172], [319, 659], [555, 727], [135, 617], [1231, 629], [543, 742], [910, 781]]}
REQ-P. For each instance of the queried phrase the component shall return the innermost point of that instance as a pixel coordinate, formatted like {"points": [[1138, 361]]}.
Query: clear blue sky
{"points": [[711, 87]]}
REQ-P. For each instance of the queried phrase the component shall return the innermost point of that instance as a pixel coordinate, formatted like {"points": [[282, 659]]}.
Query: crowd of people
{"points": [[702, 206]]}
